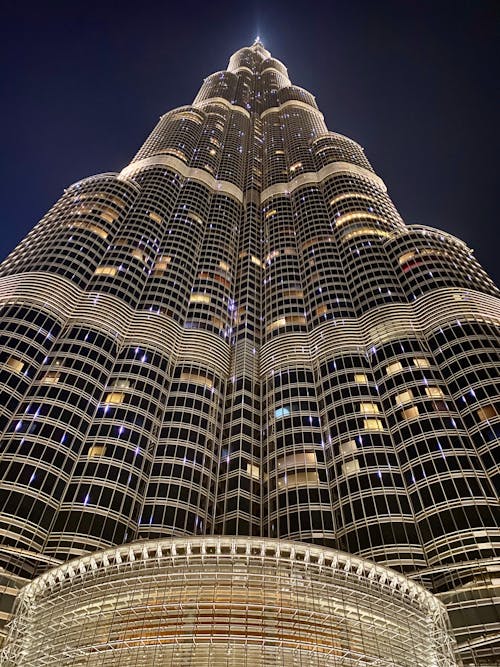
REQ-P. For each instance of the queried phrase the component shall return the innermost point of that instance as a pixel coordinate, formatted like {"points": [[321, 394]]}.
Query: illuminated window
{"points": [[256, 260], [14, 364], [362, 231], [208, 275], [175, 152], [295, 166], [349, 195], [224, 266], [196, 378], [84, 209], [421, 362], [360, 378], [394, 368], [295, 319], [369, 408], [276, 324], [116, 200], [404, 397], [298, 478], [350, 467], [434, 392], [293, 294], [253, 471], [52, 377], [139, 254], [270, 213], [487, 412], [373, 425], [199, 298], [282, 412], [407, 257], [106, 271], [356, 215], [156, 218], [102, 233], [321, 310], [316, 240], [279, 152], [285, 321], [410, 413], [299, 460], [161, 265], [108, 214], [105, 212], [97, 450], [218, 322], [114, 398], [212, 151], [186, 115], [272, 255], [348, 447], [414, 258], [194, 216], [121, 383]]}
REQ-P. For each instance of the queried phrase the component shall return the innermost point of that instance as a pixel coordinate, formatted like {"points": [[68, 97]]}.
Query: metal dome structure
{"points": [[228, 602]]}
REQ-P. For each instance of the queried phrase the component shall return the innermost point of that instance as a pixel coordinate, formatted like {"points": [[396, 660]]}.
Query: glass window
{"points": [[394, 368], [106, 271], [368, 408], [97, 450], [14, 364], [434, 392], [487, 412], [52, 377], [410, 413], [404, 397], [373, 425], [115, 398], [350, 467], [348, 447]]}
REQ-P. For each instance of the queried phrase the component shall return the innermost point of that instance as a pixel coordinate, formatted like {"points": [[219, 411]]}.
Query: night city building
{"points": [[237, 342]]}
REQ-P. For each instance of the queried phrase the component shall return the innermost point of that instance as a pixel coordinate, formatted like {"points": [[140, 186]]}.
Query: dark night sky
{"points": [[413, 81]]}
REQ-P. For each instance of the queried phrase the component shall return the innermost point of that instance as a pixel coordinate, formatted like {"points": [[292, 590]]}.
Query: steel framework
{"points": [[226, 601]]}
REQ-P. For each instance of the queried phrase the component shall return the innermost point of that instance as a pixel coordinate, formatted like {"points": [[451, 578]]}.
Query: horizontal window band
{"points": [[310, 178], [220, 100], [196, 174]]}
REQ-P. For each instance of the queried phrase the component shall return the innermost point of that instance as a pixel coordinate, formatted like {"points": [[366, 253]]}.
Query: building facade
{"points": [[238, 335]]}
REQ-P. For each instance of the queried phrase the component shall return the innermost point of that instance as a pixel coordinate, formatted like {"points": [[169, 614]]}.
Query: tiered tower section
{"points": [[238, 335]]}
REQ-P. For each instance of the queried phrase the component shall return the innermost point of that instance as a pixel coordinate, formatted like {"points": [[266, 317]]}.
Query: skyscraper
{"points": [[237, 335]]}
